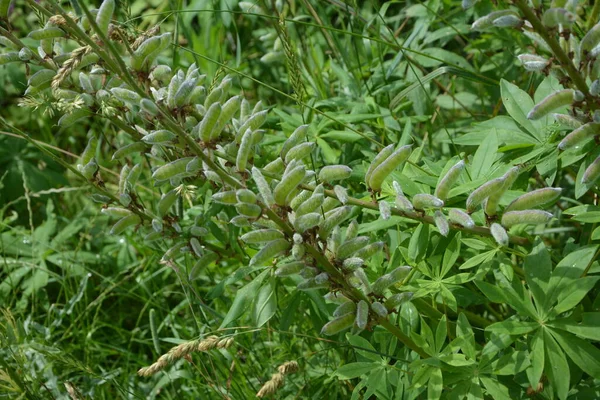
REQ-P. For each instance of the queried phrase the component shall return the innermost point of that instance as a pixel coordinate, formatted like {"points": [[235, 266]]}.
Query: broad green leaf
{"points": [[363, 347], [512, 327], [448, 297], [479, 259], [451, 254], [582, 352], [485, 156], [440, 334], [589, 328], [495, 389], [417, 247], [511, 364], [518, 104], [435, 384], [557, 368], [536, 358], [467, 338], [354, 370], [265, 304], [574, 292], [243, 299], [538, 268]]}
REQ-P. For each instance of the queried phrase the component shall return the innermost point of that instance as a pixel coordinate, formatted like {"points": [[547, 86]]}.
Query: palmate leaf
{"points": [[556, 366]]}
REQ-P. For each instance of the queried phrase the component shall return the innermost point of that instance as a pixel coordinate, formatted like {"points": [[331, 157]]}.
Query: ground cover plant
{"points": [[295, 199]]}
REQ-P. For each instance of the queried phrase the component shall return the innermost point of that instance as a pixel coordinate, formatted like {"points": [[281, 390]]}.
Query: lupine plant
{"points": [[465, 263]]}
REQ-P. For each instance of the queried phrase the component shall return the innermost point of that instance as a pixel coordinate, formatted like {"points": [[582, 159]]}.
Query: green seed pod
{"points": [[550, 103], [491, 204], [227, 197], [362, 315], [196, 247], [244, 151], [448, 180], [557, 16], [300, 151], [352, 263], [213, 97], [86, 84], [396, 300], [310, 205], [322, 278], [298, 251], [532, 62], [198, 231], [172, 169], [205, 128], [499, 234], [9, 57], [422, 201], [146, 48], [261, 236], [291, 268], [25, 54], [334, 241], [134, 175], [125, 223], [311, 284], [534, 199], [388, 166], [441, 222], [369, 251], [379, 158], [125, 199], [159, 137], [252, 123], [580, 136], [288, 183], [349, 247], [379, 309], [391, 278], [508, 21], [240, 221], [152, 236], [460, 217], [263, 187], [227, 112], [47, 33], [193, 166], [161, 73], [204, 261], [90, 151], [341, 193], [400, 273], [100, 198], [184, 92], [332, 219], [248, 210], [483, 192], [125, 95], [295, 138], [384, 210], [345, 308], [116, 212], [403, 203], [129, 149], [89, 170], [352, 230], [157, 225], [592, 172], [300, 198], [267, 253], [309, 272], [74, 116], [166, 202], [274, 167], [246, 196], [41, 77], [530, 217], [105, 13], [338, 324], [336, 298], [307, 221], [589, 41], [149, 107], [174, 84], [334, 173]]}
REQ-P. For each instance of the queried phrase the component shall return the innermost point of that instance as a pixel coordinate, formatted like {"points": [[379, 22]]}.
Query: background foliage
{"points": [[83, 309]]}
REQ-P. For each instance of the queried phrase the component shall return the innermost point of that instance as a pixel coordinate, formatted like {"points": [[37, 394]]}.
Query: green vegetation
{"points": [[299, 199]]}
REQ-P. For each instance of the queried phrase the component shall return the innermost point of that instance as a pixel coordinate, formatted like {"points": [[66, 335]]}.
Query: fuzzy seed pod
{"points": [[299, 151], [172, 169], [508, 21], [89, 170], [336, 298], [50, 32], [261, 236], [205, 127], [9, 57], [174, 84], [288, 183], [204, 261], [321, 278], [267, 253], [441, 222], [105, 13], [74, 116], [240, 221], [123, 186], [557, 16], [379, 158], [274, 167], [152, 236], [486, 21], [362, 315], [246, 196], [460, 217], [313, 203], [291, 268], [595, 88], [532, 62], [422, 201], [166, 202], [227, 197], [129, 149], [300, 198], [193, 166], [345, 308], [248, 210], [263, 187], [99, 198], [295, 138], [466, 4], [550, 103], [116, 212], [198, 231], [311, 284], [341, 193], [589, 41], [448, 180], [298, 251], [157, 225], [244, 151], [329, 204], [162, 137], [499, 234], [124, 95], [252, 123], [352, 230], [403, 203], [125, 223], [396, 300], [125, 199], [491, 203], [369, 251], [483, 192], [145, 49], [337, 325], [228, 110], [332, 219], [592, 173], [90, 150], [196, 247], [384, 210], [530, 217], [388, 166], [534, 199], [580, 136], [352, 263], [307, 221], [349, 247], [43, 76], [379, 309], [334, 173]]}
